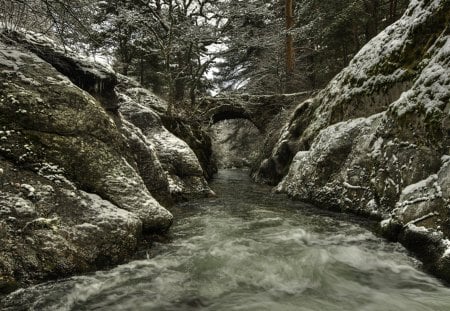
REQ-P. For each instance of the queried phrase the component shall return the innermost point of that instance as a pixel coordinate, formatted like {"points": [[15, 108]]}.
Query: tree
{"points": [[253, 45], [67, 20], [254, 57], [290, 52], [322, 39], [329, 33], [172, 36]]}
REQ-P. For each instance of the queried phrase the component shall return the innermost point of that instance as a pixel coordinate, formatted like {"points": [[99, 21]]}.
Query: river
{"points": [[248, 249]]}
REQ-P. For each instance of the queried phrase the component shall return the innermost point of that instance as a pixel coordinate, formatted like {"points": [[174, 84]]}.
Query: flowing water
{"points": [[249, 249]]}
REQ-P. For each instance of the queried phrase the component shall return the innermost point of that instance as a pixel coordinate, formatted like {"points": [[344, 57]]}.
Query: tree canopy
{"points": [[185, 48]]}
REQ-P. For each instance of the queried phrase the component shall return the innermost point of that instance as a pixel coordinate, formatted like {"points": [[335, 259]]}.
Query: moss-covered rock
{"points": [[97, 80], [51, 121], [50, 229], [376, 77], [376, 140], [71, 195]]}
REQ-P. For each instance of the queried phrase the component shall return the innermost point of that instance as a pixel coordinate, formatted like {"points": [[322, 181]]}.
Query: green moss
{"points": [[417, 46]]}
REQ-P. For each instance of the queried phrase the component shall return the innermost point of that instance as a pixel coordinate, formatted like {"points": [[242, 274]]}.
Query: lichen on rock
{"points": [[72, 196], [49, 229], [376, 140]]}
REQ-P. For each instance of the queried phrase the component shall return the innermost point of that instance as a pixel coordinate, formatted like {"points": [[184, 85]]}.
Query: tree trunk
{"points": [[141, 69], [290, 53], [125, 67]]}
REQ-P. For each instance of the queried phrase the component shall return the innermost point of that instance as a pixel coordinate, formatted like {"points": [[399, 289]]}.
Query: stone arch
{"points": [[228, 112], [258, 109]]}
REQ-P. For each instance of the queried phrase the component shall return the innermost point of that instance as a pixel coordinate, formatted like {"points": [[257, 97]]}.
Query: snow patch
{"points": [[445, 159], [24, 208], [30, 190], [54, 173], [431, 89], [419, 186], [446, 244], [106, 211], [175, 187], [86, 64], [385, 223], [353, 187], [412, 227]]}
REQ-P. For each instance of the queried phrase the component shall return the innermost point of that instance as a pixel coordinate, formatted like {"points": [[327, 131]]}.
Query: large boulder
{"points": [[193, 133], [376, 140], [49, 228], [48, 121], [71, 198], [98, 80]]}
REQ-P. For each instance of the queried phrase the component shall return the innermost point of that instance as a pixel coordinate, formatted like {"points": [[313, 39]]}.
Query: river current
{"points": [[248, 249]]}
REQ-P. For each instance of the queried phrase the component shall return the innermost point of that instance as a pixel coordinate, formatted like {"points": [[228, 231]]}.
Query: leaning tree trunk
{"points": [[290, 53]]}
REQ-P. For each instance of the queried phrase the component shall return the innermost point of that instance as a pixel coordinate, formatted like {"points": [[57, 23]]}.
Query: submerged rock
{"points": [[376, 140]]}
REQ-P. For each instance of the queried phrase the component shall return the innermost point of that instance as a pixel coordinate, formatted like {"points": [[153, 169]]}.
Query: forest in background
{"points": [[182, 49]]}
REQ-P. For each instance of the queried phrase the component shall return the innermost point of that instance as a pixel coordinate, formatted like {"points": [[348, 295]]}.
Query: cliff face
{"points": [[77, 178], [376, 140]]}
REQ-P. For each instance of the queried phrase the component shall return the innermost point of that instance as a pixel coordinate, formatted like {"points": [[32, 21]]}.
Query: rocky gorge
{"points": [[90, 163]]}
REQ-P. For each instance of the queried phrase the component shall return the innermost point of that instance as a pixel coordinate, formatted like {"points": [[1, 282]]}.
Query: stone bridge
{"points": [[258, 109]]}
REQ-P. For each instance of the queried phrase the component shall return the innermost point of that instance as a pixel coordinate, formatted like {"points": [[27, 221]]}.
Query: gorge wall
{"points": [[376, 140], [85, 163]]}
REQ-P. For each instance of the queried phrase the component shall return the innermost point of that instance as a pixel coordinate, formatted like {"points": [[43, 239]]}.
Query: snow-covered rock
{"points": [[96, 79], [181, 172], [59, 230], [376, 140], [76, 178], [70, 129], [80, 182]]}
